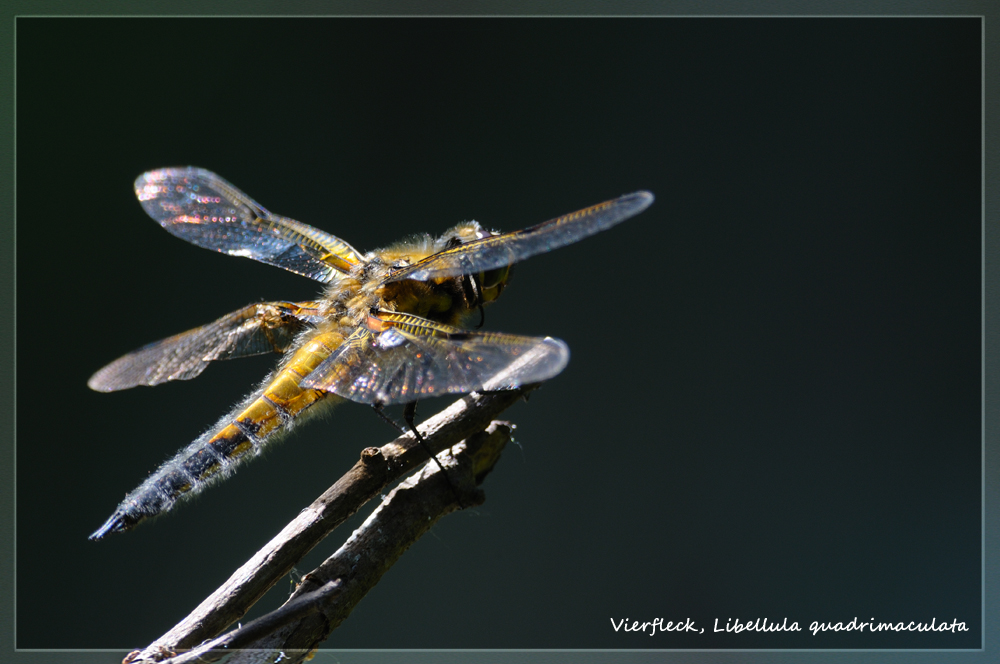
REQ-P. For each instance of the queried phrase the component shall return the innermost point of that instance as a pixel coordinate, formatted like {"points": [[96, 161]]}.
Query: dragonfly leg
{"points": [[377, 407], [474, 295], [409, 414]]}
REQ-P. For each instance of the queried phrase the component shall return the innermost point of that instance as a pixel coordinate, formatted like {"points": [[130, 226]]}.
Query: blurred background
{"points": [[772, 407]]}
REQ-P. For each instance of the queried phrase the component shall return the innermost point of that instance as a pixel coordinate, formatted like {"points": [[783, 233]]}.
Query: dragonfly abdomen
{"points": [[261, 419]]}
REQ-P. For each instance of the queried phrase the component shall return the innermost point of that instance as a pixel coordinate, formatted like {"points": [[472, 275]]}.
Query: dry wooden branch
{"points": [[329, 593], [377, 468]]}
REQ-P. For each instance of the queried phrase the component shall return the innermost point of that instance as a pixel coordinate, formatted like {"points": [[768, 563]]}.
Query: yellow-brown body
{"points": [[269, 412]]}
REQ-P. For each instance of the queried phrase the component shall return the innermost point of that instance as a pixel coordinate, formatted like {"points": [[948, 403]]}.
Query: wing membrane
{"points": [[508, 248], [414, 358], [200, 207], [267, 327]]}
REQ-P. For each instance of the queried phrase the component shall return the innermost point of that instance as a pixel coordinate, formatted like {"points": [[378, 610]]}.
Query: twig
{"points": [[258, 630], [329, 593], [377, 468]]}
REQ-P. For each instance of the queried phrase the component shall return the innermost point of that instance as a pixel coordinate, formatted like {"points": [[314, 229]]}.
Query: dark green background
{"points": [[773, 403]]}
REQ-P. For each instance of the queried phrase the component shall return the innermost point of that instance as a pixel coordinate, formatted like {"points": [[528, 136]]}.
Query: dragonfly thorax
{"points": [[448, 300]]}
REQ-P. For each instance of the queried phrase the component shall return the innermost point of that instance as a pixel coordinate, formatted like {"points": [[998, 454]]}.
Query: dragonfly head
{"points": [[489, 283], [492, 283], [463, 233]]}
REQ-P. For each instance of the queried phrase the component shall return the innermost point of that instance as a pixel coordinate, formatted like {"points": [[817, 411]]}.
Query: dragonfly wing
{"points": [[268, 327], [507, 248], [200, 207], [414, 358]]}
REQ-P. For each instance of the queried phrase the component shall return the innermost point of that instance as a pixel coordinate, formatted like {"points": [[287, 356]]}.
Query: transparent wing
{"points": [[268, 327], [200, 207], [413, 358], [508, 248]]}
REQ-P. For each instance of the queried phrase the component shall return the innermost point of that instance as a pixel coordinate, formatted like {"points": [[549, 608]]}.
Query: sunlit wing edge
{"points": [[257, 329], [356, 371], [503, 250], [201, 208]]}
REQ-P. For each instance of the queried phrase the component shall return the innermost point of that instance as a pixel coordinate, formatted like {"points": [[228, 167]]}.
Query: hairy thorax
{"points": [[349, 301]]}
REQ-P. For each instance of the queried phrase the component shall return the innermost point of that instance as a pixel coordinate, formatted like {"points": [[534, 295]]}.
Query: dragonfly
{"points": [[389, 328]]}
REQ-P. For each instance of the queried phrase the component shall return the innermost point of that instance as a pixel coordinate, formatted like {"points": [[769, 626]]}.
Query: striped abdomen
{"points": [[242, 434]]}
